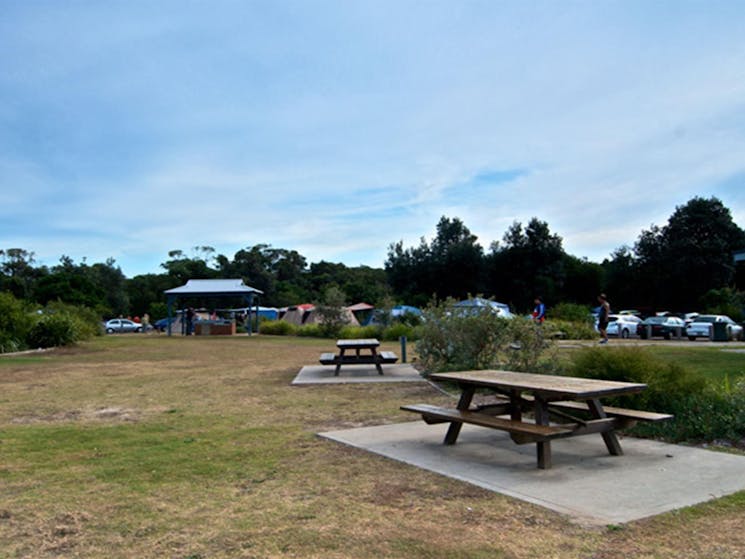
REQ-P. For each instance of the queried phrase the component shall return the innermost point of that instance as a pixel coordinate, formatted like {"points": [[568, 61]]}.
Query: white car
{"points": [[702, 326], [622, 325], [118, 325]]}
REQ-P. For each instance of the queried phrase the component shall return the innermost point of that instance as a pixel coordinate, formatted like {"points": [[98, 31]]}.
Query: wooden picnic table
{"points": [[544, 396], [356, 357]]}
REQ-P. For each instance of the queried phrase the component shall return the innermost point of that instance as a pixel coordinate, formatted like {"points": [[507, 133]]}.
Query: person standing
{"points": [[603, 318], [539, 311]]}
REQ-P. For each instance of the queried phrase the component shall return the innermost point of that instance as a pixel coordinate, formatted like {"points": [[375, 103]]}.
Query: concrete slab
{"points": [[585, 482], [324, 374]]}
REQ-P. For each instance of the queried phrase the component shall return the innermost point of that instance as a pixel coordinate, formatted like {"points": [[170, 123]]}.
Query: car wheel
{"points": [[109, 330], [139, 330], [668, 335], [692, 338], [625, 333]]}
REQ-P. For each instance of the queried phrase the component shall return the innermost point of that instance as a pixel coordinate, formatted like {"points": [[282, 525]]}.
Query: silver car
{"points": [[119, 325], [702, 326]]}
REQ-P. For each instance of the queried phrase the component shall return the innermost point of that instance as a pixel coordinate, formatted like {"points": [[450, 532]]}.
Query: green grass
{"points": [[712, 363]]}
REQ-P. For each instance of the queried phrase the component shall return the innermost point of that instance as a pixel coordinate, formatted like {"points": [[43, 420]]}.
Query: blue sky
{"points": [[131, 128]]}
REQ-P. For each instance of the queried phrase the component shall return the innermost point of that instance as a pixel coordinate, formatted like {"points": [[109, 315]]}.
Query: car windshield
{"points": [[706, 318]]}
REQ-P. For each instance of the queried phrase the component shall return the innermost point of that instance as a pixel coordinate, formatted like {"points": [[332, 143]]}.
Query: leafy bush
{"points": [[311, 331], [15, 323], [703, 412], [61, 324], [571, 330], [360, 332], [478, 339], [53, 330], [394, 332], [571, 313], [277, 328]]}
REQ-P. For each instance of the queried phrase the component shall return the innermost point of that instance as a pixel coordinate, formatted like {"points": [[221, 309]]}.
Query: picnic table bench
{"points": [[544, 396], [371, 356]]}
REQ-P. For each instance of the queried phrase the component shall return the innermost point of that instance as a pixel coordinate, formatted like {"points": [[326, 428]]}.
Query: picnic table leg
{"points": [[338, 363], [463, 404], [610, 438], [376, 357], [543, 448]]}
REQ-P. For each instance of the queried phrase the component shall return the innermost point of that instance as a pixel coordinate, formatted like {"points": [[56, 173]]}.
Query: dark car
{"points": [[661, 327], [162, 324]]}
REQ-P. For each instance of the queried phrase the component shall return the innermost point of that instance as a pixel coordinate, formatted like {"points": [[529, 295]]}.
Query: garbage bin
{"points": [[719, 332]]}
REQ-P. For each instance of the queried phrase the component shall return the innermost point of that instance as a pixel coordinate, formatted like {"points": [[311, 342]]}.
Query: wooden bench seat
{"points": [[384, 357], [635, 415], [531, 431]]}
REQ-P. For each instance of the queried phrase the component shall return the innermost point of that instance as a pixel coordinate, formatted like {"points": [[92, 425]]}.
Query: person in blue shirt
{"points": [[539, 312]]}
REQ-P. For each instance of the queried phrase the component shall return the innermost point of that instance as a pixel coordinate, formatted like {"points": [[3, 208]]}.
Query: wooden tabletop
{"points": [[354, 344], [545, 385]]}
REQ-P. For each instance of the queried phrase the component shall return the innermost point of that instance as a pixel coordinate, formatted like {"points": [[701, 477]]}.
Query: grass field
{"points": [[195, 448]]}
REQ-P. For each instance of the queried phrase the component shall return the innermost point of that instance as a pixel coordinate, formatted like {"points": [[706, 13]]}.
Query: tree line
{"points": [[679, 266]]}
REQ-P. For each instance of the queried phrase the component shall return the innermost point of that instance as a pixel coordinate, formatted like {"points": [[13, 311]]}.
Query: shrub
{"points": [[53, 330], [703, 412], [478, 339], [277, 328], [394, 332], [310, 331], [571, 313], [571, 330], [360, 332], [15, 323]]}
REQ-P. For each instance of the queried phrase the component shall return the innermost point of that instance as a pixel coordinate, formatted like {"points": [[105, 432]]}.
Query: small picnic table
{"points": [[370, 357], [545, 396]]}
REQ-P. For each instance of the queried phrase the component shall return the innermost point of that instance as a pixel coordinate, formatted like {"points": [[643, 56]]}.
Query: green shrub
{"points": [[310, 331], [277, 328], [15, 322], [87, 322], [53, 330], [703, 412], [571, 330], [394, 332], [478, 339], [571, 313], [360, 332]]}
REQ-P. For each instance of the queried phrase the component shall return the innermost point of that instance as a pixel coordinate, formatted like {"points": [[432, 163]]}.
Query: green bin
{"points": [[719, 332]]}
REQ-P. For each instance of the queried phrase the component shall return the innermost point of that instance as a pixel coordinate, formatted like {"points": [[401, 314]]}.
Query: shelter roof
{"points": [[360, 307], [198, 287]]}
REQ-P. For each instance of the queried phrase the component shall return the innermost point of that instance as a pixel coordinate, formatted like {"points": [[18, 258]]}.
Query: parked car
{"points": [[622, 325], [162, 324], [119, 325], [701, 327], [661, 326]]}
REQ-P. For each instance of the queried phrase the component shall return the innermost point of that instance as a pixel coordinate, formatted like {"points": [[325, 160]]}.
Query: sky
{"points": [[337, 127]]}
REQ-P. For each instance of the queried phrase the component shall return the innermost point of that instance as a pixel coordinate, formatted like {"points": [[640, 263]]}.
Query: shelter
{"points": [[194, 289], [363, 312]]}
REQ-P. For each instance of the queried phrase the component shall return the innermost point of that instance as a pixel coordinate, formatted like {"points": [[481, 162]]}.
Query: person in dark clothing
{"points": [[603, 318]]}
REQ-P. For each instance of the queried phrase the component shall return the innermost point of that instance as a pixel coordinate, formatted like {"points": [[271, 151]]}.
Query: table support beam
{"points": [[609, 437], [463, 404]]}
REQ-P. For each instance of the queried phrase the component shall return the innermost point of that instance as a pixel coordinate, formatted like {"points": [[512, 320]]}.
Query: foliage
{"points": [[394, 332], [60, 324], [479, 339], [310, 331], [450, 266], [571, 330], [360, 332], [15, 323], [725, 301], [277, 328], [571, 312], [332, 312], [703, 411]]}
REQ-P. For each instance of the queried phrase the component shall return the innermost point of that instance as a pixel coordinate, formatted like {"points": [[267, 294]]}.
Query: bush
{"points": [[310, 331], [479, 339], [277, 328], [53, 330], [703, 412], [394, 332], [570, 312], [360, 332], [15, 322], [571, 330]]}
